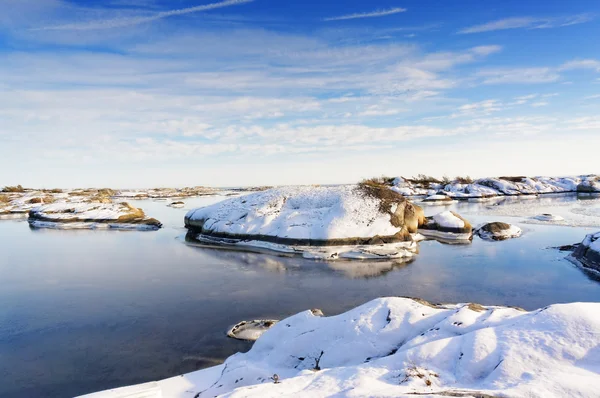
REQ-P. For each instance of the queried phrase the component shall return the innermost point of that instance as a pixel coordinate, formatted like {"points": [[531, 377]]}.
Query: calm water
{"points": [[88, 310]]}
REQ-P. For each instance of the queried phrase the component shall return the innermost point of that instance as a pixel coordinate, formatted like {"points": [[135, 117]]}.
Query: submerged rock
{"points": [[177, 205], [587, 254], [86, 215], [548, 217], [447, 225], [498, 231], [404, 347], [358, 221]]}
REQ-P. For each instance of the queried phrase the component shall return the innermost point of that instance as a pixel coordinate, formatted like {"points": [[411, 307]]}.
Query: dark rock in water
{"points": [[587, 253], [568, 248], [498, 231]]}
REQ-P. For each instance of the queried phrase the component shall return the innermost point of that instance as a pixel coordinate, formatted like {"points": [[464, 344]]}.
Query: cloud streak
{"points": [[372, 14], [137, 20], [528, 23]]}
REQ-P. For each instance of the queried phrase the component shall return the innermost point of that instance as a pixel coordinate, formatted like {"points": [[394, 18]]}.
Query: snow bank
{"points": [[309, 216], [90, 215], [502, 186], [587, 254], [394, 347], [498, 231]]}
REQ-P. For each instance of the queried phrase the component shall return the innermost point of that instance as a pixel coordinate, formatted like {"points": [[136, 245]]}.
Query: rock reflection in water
{"points": [[353, 269]]}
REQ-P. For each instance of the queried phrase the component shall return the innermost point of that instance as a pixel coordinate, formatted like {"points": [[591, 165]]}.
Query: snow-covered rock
{"points": [[91, 215], [498, 231], [355, 221], [250, 330], [447, 225], [392, 347], [587, 254]]}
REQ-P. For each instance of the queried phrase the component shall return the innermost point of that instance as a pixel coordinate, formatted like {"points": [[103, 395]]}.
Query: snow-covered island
{"points": [[466, 188], [393, 347], [353, 221], [91, 215]]}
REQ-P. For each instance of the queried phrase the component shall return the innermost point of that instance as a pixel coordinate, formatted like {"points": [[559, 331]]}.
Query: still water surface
{"points": [[82, 311]]}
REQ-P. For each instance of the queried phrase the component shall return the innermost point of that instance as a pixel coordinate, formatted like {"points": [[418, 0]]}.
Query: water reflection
{"points": [[272, 263]]}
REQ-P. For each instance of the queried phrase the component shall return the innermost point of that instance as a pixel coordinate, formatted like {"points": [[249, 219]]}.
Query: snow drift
{"points": [[394, 347]]}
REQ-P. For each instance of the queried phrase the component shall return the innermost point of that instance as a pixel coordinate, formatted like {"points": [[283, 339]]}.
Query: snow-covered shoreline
{"points": [[405, 347], [485, 188]]}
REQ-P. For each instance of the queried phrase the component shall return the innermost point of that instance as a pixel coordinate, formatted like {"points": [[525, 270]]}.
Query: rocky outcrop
{"points": [[587, 254], [498, 231]]}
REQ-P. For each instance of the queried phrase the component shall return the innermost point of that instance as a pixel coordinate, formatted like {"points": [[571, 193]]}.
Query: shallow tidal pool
{"points": [[83, 311]]}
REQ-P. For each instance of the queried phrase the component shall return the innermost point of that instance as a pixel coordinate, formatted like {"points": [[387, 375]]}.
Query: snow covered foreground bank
{"points": [[501, 186], [394, 347], [355, 221], [91, 215]]}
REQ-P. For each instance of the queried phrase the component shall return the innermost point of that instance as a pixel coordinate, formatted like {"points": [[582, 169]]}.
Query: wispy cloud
{"points": [[518, 75], [528, 23], [372, 14], [137, 20], [582, 64]]}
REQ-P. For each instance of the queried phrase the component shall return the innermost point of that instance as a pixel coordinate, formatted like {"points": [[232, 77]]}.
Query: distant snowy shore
{"points": [[491, 187], [392, 347]]}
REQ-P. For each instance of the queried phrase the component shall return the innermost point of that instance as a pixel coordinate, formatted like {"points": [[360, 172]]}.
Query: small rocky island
{"points": [[91, 215]]}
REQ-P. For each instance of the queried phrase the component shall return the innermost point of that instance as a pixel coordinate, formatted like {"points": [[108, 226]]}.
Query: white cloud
{"points": [[120, 22], [528, 22], [372, 14]]}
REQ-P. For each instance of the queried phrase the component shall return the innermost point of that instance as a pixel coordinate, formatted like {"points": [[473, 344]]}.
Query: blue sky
{"points": [[137, 93]]}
